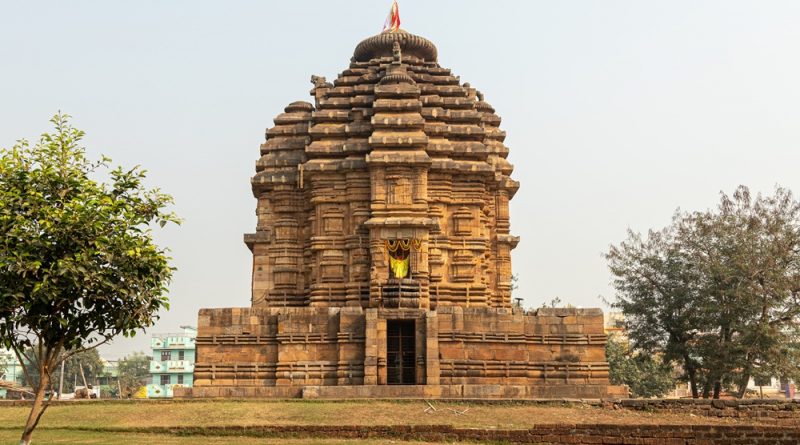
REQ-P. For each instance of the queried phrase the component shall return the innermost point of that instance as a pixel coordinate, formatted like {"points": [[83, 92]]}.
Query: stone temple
{"points": [[381, 256]]}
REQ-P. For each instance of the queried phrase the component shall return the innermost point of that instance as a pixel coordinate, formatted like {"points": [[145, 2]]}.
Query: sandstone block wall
{"points": [[287, 346], [346, 346], [774, 411], [501, 346]]}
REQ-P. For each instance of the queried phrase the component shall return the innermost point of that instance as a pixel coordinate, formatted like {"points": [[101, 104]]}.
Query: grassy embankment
{"points": [[124, 422]]}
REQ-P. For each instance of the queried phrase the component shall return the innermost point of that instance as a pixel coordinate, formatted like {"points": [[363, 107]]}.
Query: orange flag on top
{"points": [[392, 23]]}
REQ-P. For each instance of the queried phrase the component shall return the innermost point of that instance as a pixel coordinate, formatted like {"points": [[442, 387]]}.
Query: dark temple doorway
{"points": [[401, 352]]}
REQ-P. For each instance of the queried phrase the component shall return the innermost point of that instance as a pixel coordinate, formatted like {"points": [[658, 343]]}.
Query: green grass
{"points": [[98, 422], [269, 412]]}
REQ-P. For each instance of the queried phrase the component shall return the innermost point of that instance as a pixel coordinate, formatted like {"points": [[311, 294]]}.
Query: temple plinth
{"points": [[382, 252]]}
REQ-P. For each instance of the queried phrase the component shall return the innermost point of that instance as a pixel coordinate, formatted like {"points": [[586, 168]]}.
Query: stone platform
{"points": [[449, 392], [350, 352]]}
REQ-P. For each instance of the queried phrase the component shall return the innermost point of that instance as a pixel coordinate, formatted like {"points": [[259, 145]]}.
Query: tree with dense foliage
{"points": [[645, 375], [718, 290], [78, 265], [657, 290], [132, 373]]}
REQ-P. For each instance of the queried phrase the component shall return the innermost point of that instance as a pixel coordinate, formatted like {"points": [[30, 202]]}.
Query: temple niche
{"points": [[382, 252]]}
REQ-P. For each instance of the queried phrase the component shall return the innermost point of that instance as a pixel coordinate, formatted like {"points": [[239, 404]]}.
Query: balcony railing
{"points": [[170, 366], [172, 342]]}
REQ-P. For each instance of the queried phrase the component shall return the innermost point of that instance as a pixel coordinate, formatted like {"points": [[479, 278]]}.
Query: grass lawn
{"points": [[128, 419], [301, 412]]}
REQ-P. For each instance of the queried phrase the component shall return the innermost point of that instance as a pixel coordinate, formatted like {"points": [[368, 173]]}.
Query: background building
{"points": [[173, 362], [107, 380]]}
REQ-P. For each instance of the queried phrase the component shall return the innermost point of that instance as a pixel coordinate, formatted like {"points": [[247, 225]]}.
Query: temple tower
{"points": [[391, 190], [382, 252]]}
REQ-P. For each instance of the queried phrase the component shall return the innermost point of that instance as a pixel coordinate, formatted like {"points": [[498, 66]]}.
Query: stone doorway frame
{"points": [[401, 352], [426, 344]]}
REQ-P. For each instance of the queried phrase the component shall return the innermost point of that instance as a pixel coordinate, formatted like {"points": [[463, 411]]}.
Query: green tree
{"points": [[748, 251], [133, 372], [645, 375], [717, 290], [658, 290], [78, 265], [89, 360]]}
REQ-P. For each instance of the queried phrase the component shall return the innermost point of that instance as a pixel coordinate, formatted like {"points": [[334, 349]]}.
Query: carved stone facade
{"points": [[382, 252]]}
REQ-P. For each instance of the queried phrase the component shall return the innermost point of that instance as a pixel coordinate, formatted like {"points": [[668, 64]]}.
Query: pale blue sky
{"points": [[617, 112]]}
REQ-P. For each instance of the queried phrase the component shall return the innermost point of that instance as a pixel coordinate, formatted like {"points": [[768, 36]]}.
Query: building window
{"points": [[165, 380], [180, 379], [180, 355], [166, 356]]}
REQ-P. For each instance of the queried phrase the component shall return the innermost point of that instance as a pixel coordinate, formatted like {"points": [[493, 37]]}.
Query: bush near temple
{"points": [[645, 375]]}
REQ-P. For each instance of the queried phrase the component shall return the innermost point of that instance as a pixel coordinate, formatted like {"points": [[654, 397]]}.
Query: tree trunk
{"points": [[707, 388], [717, 389], [37, 409], [743, 385], [692, 373], [61, 380], [83, 377]]}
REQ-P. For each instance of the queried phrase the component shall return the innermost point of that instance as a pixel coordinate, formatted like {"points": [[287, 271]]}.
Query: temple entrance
{"points": [[401, 352]]}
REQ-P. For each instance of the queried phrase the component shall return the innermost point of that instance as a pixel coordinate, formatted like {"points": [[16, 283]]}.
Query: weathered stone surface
{"points": [[395, 150]]}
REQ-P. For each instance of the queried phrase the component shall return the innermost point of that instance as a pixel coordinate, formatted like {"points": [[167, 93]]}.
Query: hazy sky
{"points": [[617, 112]]}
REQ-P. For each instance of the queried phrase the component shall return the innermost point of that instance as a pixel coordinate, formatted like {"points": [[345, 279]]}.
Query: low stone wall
{"points": [[761, 410], [554, 346], [447, 392], [543, 434]]}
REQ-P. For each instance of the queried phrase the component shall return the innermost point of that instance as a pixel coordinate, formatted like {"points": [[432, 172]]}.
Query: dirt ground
{"points": [[56, 436]]}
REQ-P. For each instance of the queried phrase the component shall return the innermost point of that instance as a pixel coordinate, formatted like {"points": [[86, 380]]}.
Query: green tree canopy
{"points": [[78, 265], [717, 290], [89, 360], [133, 371]]}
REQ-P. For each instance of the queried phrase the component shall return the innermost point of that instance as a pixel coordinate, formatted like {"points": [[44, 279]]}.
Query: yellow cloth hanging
{"points": [[399, 267]]}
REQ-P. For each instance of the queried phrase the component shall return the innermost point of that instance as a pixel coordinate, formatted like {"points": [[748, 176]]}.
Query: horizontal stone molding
{"points": [[544, 339], [285, 373], [290, 338], [549, 372]]}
